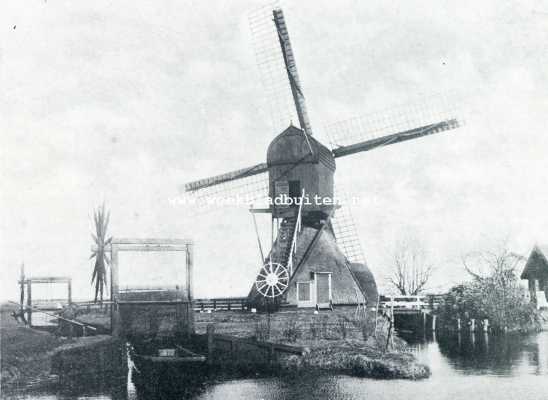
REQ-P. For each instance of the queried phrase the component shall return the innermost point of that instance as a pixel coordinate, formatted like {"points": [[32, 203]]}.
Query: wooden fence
{"points": [[221, 304], [402, 303]]}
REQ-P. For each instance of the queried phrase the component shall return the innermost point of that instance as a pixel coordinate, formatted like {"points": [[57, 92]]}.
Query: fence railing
{"points": [[421, 302], [221, 304]]}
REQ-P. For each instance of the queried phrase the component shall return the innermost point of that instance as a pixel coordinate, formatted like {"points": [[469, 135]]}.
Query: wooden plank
{"points": [[59, 317], [145, 247], [47, 279], [169, 241], [173, 359]]}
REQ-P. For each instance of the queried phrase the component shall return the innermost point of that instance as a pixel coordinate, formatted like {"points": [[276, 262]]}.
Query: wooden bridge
{"points": [[411, 304]]}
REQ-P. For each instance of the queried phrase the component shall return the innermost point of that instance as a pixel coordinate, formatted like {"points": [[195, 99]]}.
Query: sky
{"points": [[122, 102]]}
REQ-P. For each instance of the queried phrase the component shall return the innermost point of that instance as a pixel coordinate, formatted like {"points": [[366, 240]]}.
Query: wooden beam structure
{"points": [[146, 245], [27, 283]]}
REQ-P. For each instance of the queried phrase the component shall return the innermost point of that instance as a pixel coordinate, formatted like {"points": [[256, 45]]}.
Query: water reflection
{"points": [[464, 366], [479, 353]]}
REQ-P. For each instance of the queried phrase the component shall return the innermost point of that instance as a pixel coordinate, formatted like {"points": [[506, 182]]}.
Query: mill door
{"points": [[323, 290]]}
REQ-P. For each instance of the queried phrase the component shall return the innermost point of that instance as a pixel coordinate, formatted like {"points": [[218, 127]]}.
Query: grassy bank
{"points": [[26, 353]]}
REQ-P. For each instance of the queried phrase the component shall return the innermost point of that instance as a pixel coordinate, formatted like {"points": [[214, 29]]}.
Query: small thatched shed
{"points": [[536, 272]]}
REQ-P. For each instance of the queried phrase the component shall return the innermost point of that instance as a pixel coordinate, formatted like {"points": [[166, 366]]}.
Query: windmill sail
{"points": [[291, 66], [345, 229], [276, 62], [399, 137], [243, 186], [226, 177], [364, 133], [277, 69]]}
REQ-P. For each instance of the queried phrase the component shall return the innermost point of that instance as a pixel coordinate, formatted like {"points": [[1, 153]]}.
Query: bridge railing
{"points": [[420, 302]]}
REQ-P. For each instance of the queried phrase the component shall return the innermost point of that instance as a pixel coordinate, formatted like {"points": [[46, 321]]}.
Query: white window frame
{"points": [[312, 290]]}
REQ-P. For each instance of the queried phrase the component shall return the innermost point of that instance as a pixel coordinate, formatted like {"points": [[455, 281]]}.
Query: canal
{"points": [[463, 367]]}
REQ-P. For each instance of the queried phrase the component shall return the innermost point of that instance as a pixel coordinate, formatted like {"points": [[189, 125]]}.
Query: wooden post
{"points": [[70, 291], [473, 325], [210, 343], [433, 323], [29, 302], [458, 324], [423, 322], [486, 325], [114, 292], [232, 350], [271, 353], [189, 265], [22, 289]]}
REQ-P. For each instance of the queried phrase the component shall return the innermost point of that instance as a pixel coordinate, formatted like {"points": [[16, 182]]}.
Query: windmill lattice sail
{"points": [[273, 72], [344, 228], [239, 187], [425, 117]]}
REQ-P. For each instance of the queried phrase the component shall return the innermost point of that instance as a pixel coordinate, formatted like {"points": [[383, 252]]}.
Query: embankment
{"points": [[33, 359], [335, 342]]}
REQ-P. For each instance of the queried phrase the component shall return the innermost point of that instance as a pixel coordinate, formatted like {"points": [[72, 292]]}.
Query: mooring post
{"points": [[433, 323], [210, 343], [458, 324], [473, 325], [486, 325]]}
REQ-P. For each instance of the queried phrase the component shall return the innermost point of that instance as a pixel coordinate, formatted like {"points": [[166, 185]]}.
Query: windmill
{"points": [[315, 258]]}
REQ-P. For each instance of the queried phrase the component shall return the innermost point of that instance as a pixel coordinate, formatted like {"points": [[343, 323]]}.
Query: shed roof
{"points": [[537, 263]]}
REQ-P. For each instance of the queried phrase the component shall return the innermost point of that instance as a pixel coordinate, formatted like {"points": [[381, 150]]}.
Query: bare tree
{"points": [[410, 268], [500, 262], [495, 291]]}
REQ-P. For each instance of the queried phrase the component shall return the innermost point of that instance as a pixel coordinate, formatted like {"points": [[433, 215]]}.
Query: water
{"points": [[463, 367]]}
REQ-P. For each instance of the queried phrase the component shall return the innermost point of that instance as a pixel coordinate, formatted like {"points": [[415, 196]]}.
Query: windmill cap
{"points": [[291, 147]]}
